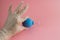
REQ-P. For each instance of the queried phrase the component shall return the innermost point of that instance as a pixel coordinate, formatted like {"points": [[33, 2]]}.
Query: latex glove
{"points": [[12, 25]]}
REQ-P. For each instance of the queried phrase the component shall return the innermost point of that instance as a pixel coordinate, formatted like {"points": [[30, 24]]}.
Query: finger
{"points": [[19, 6], [23, 10], [10, 9]]}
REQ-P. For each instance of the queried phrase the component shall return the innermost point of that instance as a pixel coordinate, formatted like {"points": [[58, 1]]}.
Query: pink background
{"points": [[45, 13]]}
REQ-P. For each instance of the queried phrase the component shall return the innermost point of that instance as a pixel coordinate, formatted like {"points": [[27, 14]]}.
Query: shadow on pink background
{"points": [[45, 13]]}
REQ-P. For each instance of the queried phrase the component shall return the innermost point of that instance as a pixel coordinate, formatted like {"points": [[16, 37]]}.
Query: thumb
{"points": [[19, 28]]}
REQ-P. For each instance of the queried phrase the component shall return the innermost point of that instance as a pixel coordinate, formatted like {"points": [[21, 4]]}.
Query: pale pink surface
{"points": [[45, 13]]}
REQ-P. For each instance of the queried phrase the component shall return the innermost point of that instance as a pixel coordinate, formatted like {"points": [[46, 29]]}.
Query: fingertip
{"points": [[10, 5], [27, 6], [22, 1]]}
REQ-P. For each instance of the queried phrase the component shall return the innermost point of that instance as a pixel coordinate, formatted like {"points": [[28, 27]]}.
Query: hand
{"points": [[12, 25]]}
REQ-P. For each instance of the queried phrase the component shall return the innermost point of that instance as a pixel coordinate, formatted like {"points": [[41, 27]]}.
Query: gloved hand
{"points": [[12, 25]]}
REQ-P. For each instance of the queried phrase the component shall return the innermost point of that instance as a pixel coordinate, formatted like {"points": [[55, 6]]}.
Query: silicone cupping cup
{"points": [[28, 23]]}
